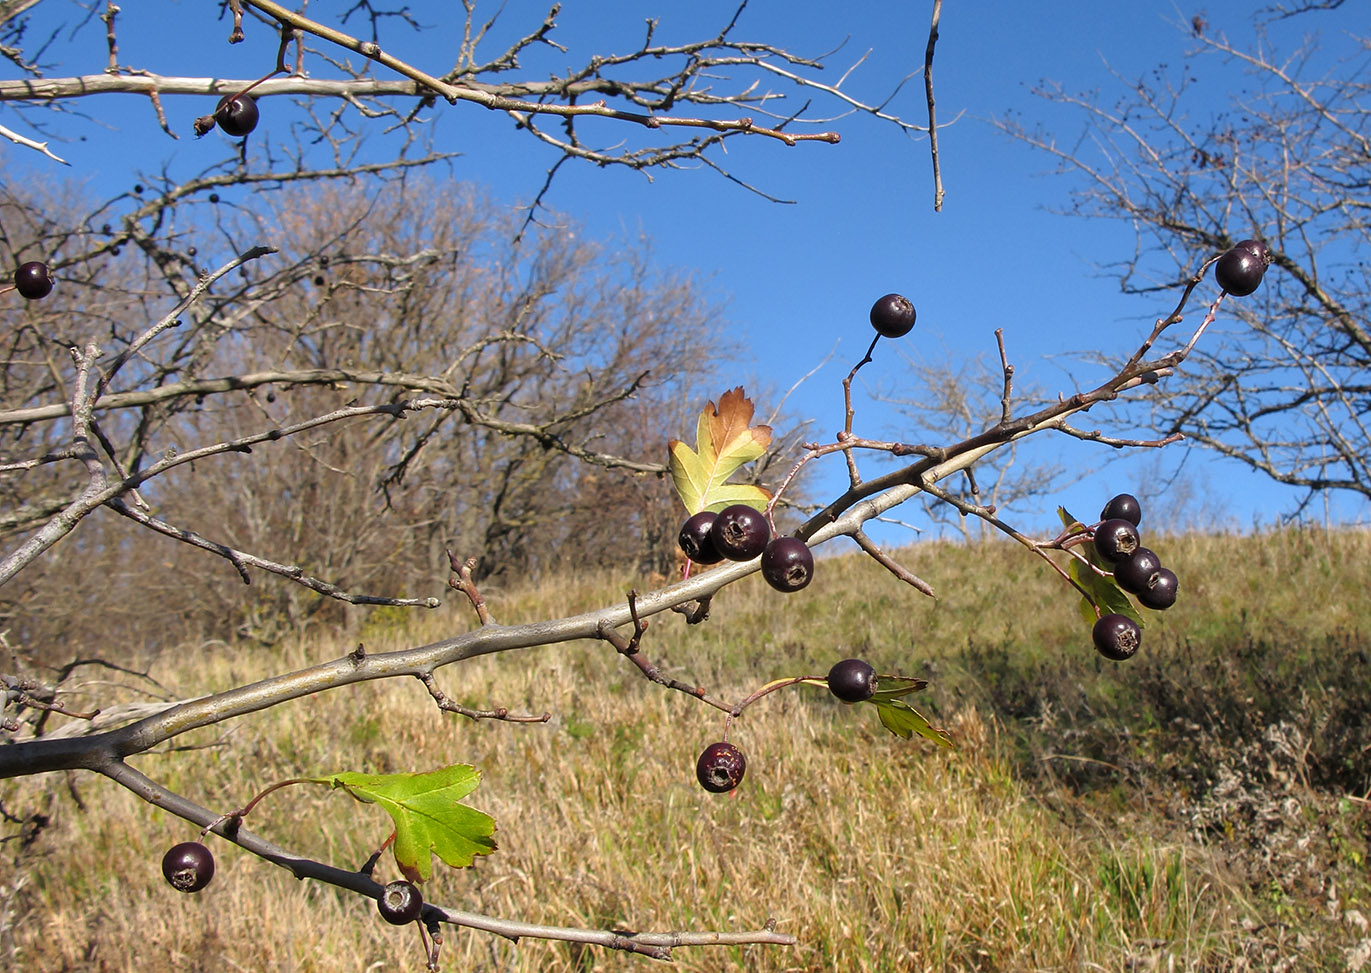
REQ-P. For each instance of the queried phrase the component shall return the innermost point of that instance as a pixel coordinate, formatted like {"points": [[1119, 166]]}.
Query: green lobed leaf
{"points": [[904, 721], [429, 818], [1105, 591]]}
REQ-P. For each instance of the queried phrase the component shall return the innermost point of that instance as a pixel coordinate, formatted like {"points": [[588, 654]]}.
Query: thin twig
{"points": [[932, 119], [448, 705], [890, 564]]}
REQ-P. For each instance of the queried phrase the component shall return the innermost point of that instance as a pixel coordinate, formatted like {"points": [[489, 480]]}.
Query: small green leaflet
{"points": [[429, 818], [898, 716], [904, 720], [893, 687], [1110, 596], [725, 439]]}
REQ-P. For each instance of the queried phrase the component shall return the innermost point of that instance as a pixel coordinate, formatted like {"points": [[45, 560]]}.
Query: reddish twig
{"points": [[461, 581], [630, 648]]}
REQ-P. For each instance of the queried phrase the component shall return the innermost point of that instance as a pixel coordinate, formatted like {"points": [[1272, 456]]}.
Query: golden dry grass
{"points": [[879, 854]]}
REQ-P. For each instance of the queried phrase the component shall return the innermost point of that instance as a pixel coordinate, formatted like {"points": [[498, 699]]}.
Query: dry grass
{"points": [[879, 854]]}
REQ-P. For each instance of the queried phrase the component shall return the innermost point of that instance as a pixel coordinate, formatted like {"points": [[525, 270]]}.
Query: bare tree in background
{"points": [[1288, 161], [315, 360], [545, 357], [536, 352], [945, 400]]}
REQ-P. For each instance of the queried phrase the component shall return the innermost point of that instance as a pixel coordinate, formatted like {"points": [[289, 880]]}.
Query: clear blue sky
{"points": [[799, 278]]}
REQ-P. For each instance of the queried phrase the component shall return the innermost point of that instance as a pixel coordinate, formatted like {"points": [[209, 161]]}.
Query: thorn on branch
{"points": [[639, 626], [694, 614], [461, 581], [236, 35]]}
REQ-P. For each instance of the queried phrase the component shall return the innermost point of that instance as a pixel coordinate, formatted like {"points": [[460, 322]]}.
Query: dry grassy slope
{"points": [[1095, 816]]}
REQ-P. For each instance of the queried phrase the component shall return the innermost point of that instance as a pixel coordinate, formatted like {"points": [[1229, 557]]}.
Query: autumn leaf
{"points": [[429, 818], [725, 439]]}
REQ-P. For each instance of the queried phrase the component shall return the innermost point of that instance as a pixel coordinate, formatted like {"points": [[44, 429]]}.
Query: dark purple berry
{"points": [[1137, 572], [1161, 593], [32, 280], [1116, 637], [787, 564], [1257, 248], [1123, 507], [237, 116], [188, 866], [740, 532], [721, 767], [892, 316], [695, 540], [400, 903], [1116, 539], [852, 680], [1239, 271]]}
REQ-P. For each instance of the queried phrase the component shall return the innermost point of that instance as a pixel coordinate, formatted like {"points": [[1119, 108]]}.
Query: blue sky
{"points": [[799, 278]]}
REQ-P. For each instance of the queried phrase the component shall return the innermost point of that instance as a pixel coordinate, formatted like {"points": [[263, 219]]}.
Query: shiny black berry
{"points": [[852, 680], [400, 903], [1116, 637], [1160, 594], [721, 767], [1239, 271], [740, 532], [1257, 248], [188, 866], [1123, 507], [1116, 539], [892, 316], [32, 280], [237, 116], [695, 539], [787, 564], [1137, 572]]}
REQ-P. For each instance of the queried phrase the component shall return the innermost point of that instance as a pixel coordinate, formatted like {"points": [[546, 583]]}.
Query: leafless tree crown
{"points": [[1287, 160]]}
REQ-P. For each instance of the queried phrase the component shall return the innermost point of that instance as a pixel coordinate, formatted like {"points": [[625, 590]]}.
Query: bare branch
{"points": [[932, 117]]}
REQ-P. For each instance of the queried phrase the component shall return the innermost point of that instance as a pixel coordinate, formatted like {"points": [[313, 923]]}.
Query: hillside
{"points": [[1202, 806]]}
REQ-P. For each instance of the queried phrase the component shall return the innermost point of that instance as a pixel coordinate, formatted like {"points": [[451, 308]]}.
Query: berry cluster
{"points": [[740, 533], [1137, 570], [1240, 270]]}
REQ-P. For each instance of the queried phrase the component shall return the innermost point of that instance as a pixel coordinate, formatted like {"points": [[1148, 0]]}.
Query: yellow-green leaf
{"points": [[428, 814], [725, 439]]}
